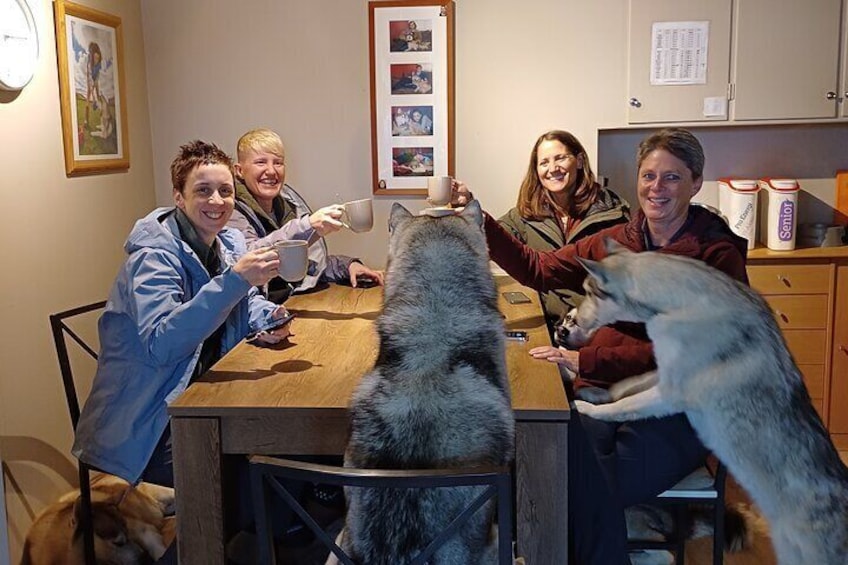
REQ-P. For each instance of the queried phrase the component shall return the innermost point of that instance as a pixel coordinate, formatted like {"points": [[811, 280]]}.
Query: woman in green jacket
{"points": [[559, 202]]}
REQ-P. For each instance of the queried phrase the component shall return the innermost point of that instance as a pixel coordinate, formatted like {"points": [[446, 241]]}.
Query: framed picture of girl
{"points": [[89, 45]]}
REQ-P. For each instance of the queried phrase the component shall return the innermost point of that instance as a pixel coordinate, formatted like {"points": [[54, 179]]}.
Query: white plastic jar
{"points": [[782, 212]]}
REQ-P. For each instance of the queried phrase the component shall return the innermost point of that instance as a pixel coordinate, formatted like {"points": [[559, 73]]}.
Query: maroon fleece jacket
{"points": [[621, 350]]}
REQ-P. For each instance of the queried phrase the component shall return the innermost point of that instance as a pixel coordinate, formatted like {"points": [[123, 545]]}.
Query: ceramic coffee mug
{"points": [[834, 236], [294, 259], [359, 215], [439, 190]]}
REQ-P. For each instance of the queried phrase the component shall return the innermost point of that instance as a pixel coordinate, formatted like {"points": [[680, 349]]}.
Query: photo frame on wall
{"points": [[89, 46], [412, 93]]}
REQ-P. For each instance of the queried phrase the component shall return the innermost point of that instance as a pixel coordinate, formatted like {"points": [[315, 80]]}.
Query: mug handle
{"points": [[345, 215]]}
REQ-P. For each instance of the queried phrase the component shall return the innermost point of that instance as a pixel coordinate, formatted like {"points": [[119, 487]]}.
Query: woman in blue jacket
{"points": [[185, 295]]}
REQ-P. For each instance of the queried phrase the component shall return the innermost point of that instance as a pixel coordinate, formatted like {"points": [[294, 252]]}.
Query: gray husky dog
{"points": [[722, 361], [438, 396]]}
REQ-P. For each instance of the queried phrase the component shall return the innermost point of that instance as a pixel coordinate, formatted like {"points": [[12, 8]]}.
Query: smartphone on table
{"points": [[274, 325], [516, 297], [517, 335]]}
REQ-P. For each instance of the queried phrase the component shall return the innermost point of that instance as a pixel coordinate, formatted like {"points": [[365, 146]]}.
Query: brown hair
{"points": [[192, 155], [534, 203], [679, 142]]}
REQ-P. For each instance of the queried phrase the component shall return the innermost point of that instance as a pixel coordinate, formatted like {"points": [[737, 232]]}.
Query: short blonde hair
{"points": [[261, 139]]}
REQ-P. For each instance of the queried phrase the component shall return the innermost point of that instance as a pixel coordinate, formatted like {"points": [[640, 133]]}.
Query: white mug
{"points": [[359, 215], [439, 190], [294, 259]]}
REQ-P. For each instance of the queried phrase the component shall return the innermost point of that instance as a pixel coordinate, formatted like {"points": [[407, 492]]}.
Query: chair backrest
{"points": [[60, 329], [702, 487], [266, 472]]}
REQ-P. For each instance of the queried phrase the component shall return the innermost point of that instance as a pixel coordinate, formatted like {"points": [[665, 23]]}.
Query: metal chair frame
{"points": [[60, 329], [713, 496], [265, 473]]}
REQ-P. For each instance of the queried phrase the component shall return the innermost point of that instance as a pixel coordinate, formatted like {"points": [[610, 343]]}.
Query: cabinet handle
{"points": [[634, 102], [784, 280], [831, 95], [843, 349], [782, 316]]}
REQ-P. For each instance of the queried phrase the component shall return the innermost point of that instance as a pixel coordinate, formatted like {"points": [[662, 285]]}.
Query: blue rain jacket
{"points": [[161, 308]]}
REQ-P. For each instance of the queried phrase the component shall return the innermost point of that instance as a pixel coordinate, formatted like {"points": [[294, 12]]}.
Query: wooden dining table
{"points": [[292, 398]]}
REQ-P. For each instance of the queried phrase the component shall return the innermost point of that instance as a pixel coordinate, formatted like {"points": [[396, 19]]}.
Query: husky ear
{"points": [[594, 268], [473, 213], [397, 215], [613, 247]]}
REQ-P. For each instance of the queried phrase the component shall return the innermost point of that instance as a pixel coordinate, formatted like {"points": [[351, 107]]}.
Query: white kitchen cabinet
{"points": [[781, 62], [649, 103], [785, 59], [843, 90]]}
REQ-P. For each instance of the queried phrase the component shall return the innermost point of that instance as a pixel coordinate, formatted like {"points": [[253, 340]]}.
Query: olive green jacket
{"points": [[546, 235]]}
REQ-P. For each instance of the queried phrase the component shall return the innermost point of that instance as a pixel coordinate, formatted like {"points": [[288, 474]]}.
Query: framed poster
{"points": [[89, 47], [412, 93]]}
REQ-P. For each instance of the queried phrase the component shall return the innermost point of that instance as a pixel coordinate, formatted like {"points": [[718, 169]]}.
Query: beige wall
{"points": [[61, 247], [301, 68], [217, 68]]}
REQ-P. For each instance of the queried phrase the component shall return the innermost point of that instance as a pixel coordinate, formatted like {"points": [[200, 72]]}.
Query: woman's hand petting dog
{"points": [[559, 355]]}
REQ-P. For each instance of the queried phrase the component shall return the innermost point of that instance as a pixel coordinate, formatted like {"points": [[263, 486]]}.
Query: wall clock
{"points": [[18, 44]]}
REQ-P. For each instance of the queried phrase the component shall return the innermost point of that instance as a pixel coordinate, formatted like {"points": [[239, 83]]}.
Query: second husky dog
{"points": [[722, 360], [438, 396]]}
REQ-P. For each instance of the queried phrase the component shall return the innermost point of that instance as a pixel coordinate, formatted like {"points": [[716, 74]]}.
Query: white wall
{"points": [[61, 246], [216, 69]]}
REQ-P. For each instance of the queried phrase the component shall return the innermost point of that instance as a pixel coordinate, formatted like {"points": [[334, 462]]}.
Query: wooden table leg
{"points": [[198, 486], [541, 484]]}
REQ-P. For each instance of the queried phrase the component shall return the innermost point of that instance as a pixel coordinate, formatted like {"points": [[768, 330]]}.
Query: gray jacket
{"points": [[546, 235], [161, 308], [322, 265]]}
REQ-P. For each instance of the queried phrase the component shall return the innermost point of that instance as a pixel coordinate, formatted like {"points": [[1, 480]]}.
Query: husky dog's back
{"points": [[438, 396], [722, 360]]}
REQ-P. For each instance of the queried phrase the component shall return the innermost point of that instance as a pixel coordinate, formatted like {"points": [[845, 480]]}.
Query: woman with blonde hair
{"points": [[560, 202]]}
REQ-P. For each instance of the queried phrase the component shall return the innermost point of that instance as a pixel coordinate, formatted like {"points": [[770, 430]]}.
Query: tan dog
{"points": [[130, 525]]}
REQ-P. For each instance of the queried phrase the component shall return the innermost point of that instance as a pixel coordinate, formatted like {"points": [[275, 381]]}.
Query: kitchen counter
{"points": [[762, 252]]}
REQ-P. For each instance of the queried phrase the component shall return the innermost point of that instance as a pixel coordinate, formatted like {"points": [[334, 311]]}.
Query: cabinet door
{"points": [[843, 90], [838, 423], [786, 59], [679, 102]]}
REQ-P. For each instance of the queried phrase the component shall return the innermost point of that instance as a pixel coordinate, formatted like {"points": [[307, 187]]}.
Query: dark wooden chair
{"points": [[266, 473], [60, 331], [700, 487]]}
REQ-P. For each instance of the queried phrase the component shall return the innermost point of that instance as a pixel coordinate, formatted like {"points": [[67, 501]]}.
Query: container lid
{"points": [[740, 185], [780, 185]]}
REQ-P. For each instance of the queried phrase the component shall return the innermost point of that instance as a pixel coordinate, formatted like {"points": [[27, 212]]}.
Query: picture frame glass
{"points": [[412, 95], [92, 80]]}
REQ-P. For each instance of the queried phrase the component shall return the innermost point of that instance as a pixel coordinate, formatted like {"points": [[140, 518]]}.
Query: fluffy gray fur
{"points": [[722, 361], [438, 396]]}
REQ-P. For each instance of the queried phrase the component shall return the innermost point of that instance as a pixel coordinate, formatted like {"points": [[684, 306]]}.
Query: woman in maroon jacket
{"points": [[615, 465]]}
